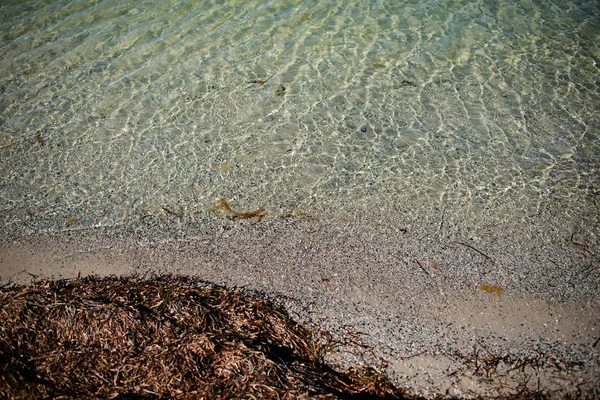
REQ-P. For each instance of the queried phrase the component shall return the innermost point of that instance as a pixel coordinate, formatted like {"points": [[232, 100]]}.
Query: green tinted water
{"points": [[112, 111]]}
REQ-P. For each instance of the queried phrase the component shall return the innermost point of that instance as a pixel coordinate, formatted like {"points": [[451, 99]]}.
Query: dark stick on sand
{"points": [[473, 248]]}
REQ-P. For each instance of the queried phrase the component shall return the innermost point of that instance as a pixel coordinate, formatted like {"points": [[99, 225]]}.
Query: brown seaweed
{"points": [[491, 289], [406, 82], [259, 213], [164, 337], [281, 90], [259, 82]]}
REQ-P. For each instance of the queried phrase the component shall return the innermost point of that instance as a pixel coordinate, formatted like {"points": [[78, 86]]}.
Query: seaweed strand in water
{"points": [[259, 213]]}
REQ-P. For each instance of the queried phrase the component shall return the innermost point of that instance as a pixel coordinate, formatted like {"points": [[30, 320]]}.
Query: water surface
{"points": [[114, 111]]}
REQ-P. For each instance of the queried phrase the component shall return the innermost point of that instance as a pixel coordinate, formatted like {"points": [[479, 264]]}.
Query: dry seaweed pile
{"points": [[161, 338]]}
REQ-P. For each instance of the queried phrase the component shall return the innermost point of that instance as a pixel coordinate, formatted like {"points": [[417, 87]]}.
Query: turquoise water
{"points": [[113, 111]]}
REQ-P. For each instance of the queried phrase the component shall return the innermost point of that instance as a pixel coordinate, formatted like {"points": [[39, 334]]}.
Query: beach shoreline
{"points": [[424, 310], [421, 175]]}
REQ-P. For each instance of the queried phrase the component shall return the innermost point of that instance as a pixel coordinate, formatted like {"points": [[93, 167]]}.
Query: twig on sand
{"points": [[421, 266], [492, 356], [478, 251], [413, 355], [583, 246]]}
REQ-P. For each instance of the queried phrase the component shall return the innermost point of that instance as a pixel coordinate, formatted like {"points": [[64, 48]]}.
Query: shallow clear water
{"points": [[111, 111]]}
